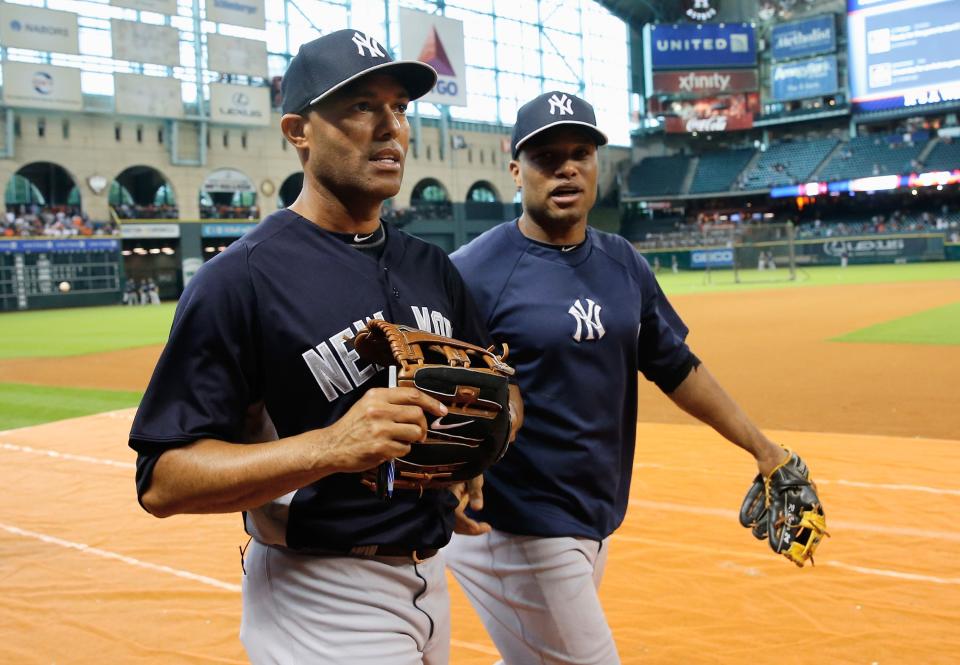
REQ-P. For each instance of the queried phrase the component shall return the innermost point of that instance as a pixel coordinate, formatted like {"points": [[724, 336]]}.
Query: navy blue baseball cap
{"points": [[328, 63], [553, 109]]}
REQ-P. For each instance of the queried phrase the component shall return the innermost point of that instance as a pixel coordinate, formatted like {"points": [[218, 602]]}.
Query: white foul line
{"points": [[945, 491], [892, 573], [66, 456], [96, 551], [839, 525]]}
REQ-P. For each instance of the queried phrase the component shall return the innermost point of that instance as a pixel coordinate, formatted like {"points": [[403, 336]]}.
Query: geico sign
{"points": [[445, 87]]}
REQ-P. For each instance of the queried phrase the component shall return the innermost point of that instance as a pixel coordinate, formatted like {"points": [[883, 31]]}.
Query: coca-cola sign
{"points": [[705, 83], [711, 114]]}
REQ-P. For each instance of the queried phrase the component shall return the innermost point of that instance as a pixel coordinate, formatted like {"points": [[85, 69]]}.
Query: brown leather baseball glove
{"points": [[471, 381]]}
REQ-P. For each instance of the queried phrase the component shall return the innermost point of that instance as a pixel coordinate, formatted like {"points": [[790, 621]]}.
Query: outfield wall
{"points": [[893, 248]]}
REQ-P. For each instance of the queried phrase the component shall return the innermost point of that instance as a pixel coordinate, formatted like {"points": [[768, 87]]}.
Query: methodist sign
{"points": [[802, 38], [437, 41]]}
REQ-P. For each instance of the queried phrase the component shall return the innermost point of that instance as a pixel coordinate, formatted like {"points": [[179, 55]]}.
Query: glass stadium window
{"points": [[514, 51]]}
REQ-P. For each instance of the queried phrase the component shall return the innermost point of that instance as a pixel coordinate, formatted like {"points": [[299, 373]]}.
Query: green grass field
{"points": [[72, 332], [67, 332], [722, 280], [22, 405], [934, 326]]}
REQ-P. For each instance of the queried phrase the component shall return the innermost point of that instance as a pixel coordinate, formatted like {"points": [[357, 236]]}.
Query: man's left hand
{"points": [[470, 492]]}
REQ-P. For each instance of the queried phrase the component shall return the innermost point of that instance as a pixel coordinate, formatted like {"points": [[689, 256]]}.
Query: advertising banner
{"points": [[711, 258], [904, 53], [804, 78], [437, 41], [802, 38], [239, 104], [711, 114], [38, 29], [697, 46], [30, 85], [227, 180], [150, 231], [875, 249], [142, 42], [234, 230], [147, 95], [248, 13], [168, 7], [705, 83], [233, 55]]}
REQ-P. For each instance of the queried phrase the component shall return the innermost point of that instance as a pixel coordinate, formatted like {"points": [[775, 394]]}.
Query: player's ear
{"points": [[514, 167], [294, 128]]}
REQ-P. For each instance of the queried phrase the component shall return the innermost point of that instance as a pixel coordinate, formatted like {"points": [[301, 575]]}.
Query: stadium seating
{"points": [[787, 164], [717, 171], [873, 155], [657, 176], [944, 157]]}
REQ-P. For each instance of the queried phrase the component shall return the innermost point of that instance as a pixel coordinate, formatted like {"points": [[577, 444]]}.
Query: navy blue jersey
{"points": [[580, 325], [269, 320]]}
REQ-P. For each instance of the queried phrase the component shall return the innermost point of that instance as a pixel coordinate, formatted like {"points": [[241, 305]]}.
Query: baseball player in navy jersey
{"points": [[260, 404], [583, 314]]}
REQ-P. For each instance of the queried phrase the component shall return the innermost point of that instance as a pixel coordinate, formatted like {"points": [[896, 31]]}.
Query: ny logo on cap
{"points": [[563, 104], [366, 42]]}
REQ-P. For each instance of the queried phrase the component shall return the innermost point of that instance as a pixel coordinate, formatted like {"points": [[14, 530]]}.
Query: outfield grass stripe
{"points": [[700, 281], [940, 326], [22, 405], [80, 330]]}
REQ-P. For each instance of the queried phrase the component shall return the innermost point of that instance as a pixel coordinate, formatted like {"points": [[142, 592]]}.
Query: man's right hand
{"points": [[381, 426]]}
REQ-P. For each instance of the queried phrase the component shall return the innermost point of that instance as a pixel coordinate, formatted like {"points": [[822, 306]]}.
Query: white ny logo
{"points": [[589, 318], [563, 104], [366, 42]]}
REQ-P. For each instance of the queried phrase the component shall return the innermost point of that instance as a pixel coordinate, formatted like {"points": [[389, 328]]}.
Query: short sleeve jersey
{"points": [[580, 325], [270, 320]]}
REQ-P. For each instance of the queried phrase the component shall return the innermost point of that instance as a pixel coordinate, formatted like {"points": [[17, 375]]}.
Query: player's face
{"points": [[557, 171], [358, 139]]}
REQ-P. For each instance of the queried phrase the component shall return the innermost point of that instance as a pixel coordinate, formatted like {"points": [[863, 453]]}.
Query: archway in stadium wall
{"points": [[483, 192], [142, 192], [429, 191], [290, 190], [228, 194], [44, 185], [483, 202]]}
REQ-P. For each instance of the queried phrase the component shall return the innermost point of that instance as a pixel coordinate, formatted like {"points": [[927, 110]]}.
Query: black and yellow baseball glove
{"points": [[784, 508]]}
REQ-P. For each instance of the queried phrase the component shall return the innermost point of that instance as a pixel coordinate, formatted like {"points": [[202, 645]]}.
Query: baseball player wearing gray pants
{"points": [[260, 404], [583, 315]]}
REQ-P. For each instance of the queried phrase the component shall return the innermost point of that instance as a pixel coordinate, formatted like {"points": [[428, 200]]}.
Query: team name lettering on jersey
{"points": [[588, 318], [432, 321], [333, 362]]}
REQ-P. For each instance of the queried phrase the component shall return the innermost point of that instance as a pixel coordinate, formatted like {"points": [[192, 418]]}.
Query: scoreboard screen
{"points": [[903, 53], [31, 271]]}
